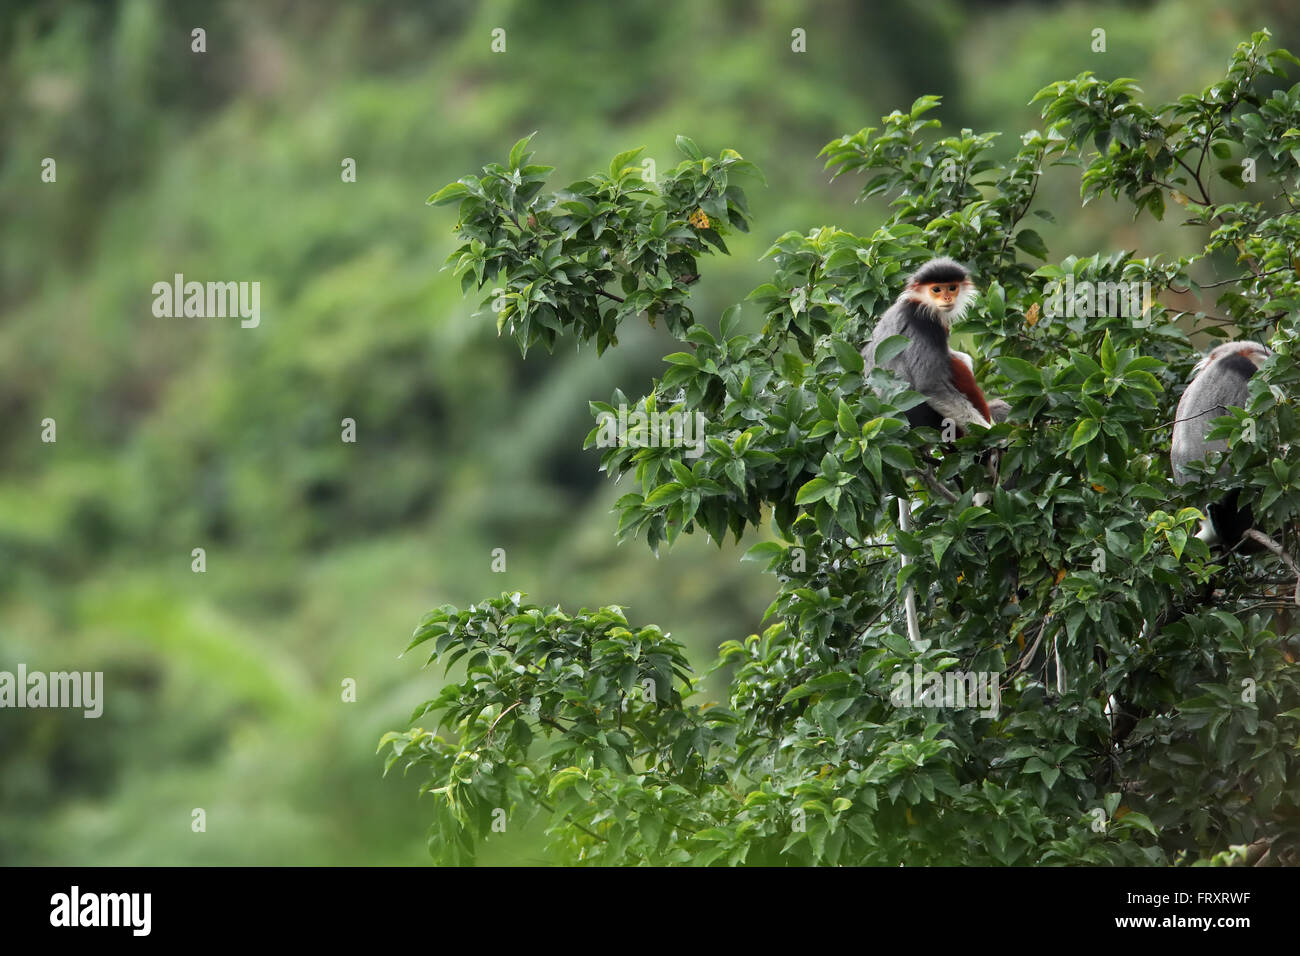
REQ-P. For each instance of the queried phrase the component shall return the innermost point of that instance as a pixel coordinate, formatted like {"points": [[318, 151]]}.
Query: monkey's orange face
{"points": [[946, 301], [942, 296]]}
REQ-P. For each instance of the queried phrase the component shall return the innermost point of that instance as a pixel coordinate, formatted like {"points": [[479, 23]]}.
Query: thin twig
{"points": [[594, 836], [494, 723], [1215, 285], [935, 485]]}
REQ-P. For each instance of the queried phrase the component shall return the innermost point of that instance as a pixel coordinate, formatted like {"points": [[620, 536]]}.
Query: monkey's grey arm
{"points": [[953, 404], [934, 380]]}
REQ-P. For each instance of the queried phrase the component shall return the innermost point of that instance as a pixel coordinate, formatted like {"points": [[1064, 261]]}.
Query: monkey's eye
{"points": [[936, 289], [952, 288]]}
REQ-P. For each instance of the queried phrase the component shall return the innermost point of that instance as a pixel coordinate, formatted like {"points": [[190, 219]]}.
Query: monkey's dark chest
{"points": [[927, 338], [923, 416]]}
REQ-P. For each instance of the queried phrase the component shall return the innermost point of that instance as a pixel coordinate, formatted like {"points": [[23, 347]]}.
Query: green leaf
{"points": [[623, 160], [792, 366], [665, 495], [844, 418], [1177, 541], [822, 683], [1107, 355], [890, 347], [1019, 370], [517, 156], [850, 358], [1085, 432], [764, 551], [814, 490], [449, 193], [688, 147], [1031, 242]]}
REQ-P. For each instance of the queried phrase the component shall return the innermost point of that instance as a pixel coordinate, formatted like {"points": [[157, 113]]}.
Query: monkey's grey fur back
{"points": [[1223, 380]]}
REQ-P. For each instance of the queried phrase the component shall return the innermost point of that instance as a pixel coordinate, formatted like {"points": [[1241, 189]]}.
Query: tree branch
{"points": [[935, 485], [1260, 538]]}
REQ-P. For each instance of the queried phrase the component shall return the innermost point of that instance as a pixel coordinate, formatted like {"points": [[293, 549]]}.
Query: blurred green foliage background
{"points": [[223, 689]]}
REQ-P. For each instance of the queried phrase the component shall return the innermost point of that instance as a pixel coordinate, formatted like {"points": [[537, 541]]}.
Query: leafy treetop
{"points": [[1084, 551]]}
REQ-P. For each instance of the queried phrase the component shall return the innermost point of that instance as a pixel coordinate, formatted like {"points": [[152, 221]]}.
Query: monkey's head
{"points": [[943, 287], [1252, 350]]}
